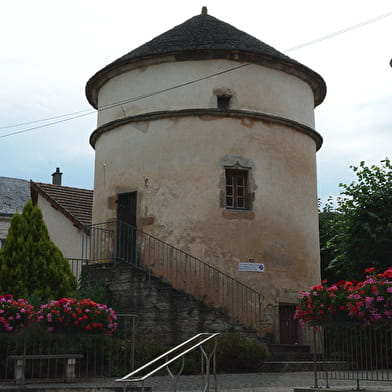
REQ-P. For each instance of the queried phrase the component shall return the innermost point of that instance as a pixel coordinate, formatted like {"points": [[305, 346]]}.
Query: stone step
{"points": [[291, 356], [300, 366], [287, 366], [298, 348]]}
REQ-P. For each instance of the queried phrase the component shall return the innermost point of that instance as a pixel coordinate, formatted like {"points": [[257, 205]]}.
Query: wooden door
{"points": [[126, 227], [288, 325]]}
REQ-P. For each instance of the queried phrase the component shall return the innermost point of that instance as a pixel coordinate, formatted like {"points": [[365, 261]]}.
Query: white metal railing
{"points": [[168, 360]]}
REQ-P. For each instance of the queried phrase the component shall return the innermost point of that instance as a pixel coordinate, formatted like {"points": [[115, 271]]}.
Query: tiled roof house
{"points": [[14, 193], [74, 203], [66, 210], [67, 213]]}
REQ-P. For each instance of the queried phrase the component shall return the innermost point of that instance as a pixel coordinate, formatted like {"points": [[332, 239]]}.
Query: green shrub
{"points": [[238, 354], [234, 354], [30, 263], [146, 352]]}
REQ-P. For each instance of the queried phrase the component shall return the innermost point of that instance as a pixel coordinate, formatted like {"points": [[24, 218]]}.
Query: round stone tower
{"points": [[211, 132]]}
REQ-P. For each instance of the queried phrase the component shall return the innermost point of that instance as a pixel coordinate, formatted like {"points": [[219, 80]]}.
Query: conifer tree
{"points": [[30, 263]]}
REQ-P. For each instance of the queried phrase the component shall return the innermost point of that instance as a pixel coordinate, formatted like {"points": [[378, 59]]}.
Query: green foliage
{"points": [[234, 354], [237, 354], [111, 356], [98, 292], [362, 230], [147, 351], [30, 263], [327, 217]]}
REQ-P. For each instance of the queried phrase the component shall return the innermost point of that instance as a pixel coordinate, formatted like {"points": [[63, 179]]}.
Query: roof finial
{"points": [[204, 10]]}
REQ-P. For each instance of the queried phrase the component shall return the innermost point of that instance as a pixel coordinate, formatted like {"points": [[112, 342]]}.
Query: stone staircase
{"points": [[118, 242], [297, 358], [289, 358], [165, 315]]}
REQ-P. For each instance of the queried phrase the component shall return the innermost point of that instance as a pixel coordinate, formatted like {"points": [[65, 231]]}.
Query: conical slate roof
{"points": [[205, 37], [202, 32]]}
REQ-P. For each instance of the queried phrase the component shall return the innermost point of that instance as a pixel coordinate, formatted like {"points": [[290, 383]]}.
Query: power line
{"points": [[46, 119], [83, 113], [119, 103], [45, 125], [339, 32]]}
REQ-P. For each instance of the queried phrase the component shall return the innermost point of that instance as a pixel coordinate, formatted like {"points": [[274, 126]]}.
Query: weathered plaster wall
{"points": [[177, 168], [253, 88], [63, 233]]}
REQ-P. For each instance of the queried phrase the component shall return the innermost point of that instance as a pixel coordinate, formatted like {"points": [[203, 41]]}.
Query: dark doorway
{"points": [[126, 227], [288, 325]]}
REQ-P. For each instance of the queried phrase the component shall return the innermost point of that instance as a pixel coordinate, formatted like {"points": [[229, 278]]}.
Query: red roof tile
{"points": [[75, 203]]}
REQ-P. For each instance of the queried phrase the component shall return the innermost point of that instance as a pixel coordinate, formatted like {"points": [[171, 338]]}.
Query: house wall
{"points": [[4, 226], [177, 167], [254, 88], [181, 200], [66, 236]]}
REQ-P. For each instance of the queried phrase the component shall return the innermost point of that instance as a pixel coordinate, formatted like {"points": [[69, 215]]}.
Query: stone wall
{"points": [[164, 315]]}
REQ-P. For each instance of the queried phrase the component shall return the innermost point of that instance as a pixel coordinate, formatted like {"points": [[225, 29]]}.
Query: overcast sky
{"points": [[49, 49]]}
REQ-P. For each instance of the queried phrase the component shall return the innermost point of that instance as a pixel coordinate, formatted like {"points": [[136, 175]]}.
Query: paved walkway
{"points": [[251, 382], [259, 382]]}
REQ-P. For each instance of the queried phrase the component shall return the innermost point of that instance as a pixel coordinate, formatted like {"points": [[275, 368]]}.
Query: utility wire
{"points": [[339, 32], [87, 112], [47, 119], [119, 103], [45, 125]]}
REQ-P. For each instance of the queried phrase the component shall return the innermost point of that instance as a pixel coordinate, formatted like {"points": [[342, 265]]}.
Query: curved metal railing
{"points": [[117, 241]]}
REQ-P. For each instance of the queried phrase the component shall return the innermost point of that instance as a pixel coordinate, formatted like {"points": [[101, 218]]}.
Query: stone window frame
{"points": [[225, 98], [237, 162]]}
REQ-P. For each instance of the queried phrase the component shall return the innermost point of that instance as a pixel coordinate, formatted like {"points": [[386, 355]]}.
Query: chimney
{"points": [[57, 177]]}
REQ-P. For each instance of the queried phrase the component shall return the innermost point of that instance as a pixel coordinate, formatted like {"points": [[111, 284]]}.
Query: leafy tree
{"points": [[362, 230], [30, 263], [327, 217]]}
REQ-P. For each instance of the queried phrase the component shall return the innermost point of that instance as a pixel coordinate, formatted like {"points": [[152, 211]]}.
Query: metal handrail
{"points": [[349, 350], [181, 355], [184, 271]]}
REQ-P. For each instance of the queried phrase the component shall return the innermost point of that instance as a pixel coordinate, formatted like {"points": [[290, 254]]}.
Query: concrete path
{"points": [[251, 382], [260, 382]]}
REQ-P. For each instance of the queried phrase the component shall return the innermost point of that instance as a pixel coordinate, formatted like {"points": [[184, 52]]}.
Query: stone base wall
{"points": [[164, 315]]}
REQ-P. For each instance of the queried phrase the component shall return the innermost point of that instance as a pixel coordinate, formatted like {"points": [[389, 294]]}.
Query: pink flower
{"points": [[388, 313]]}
